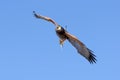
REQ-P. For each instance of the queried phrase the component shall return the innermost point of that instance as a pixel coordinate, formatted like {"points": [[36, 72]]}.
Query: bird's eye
{"points": [[58, 28]]}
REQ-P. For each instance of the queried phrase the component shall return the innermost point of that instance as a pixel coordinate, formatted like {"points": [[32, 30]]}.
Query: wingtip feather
{"points": [[35, 14], [92, 58]]}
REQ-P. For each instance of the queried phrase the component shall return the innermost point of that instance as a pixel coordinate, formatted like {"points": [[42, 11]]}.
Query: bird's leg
{"points": [[61, 41]]}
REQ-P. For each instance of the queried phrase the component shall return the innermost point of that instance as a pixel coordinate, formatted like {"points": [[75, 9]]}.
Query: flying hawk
{"points": [[64, 35]]}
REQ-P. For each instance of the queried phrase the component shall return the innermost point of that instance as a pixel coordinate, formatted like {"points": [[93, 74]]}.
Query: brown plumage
{"points": [[64, 35]]}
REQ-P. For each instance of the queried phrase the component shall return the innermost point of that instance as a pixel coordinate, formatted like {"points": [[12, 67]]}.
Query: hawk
{"points": [[64, 35]]}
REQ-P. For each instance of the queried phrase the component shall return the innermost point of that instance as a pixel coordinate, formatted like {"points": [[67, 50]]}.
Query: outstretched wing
{"points": [[45, 18], [81, 48]]}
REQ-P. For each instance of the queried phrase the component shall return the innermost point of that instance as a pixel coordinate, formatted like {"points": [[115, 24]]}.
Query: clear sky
{"points": [[30, 50]]}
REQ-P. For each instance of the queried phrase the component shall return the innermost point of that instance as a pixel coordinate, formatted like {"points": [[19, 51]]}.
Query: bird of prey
{"points": [[64, 35]]}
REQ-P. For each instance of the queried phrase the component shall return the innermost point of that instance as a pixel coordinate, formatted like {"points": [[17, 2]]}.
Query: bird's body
{"points": [[64, 35], [61, 33]]}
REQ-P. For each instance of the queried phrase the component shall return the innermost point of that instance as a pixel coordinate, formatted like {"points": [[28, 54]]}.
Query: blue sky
{"points": [[29, 47]]}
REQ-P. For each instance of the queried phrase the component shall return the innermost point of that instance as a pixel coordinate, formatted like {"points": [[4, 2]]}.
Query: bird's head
{"points": [[60, 29]]}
